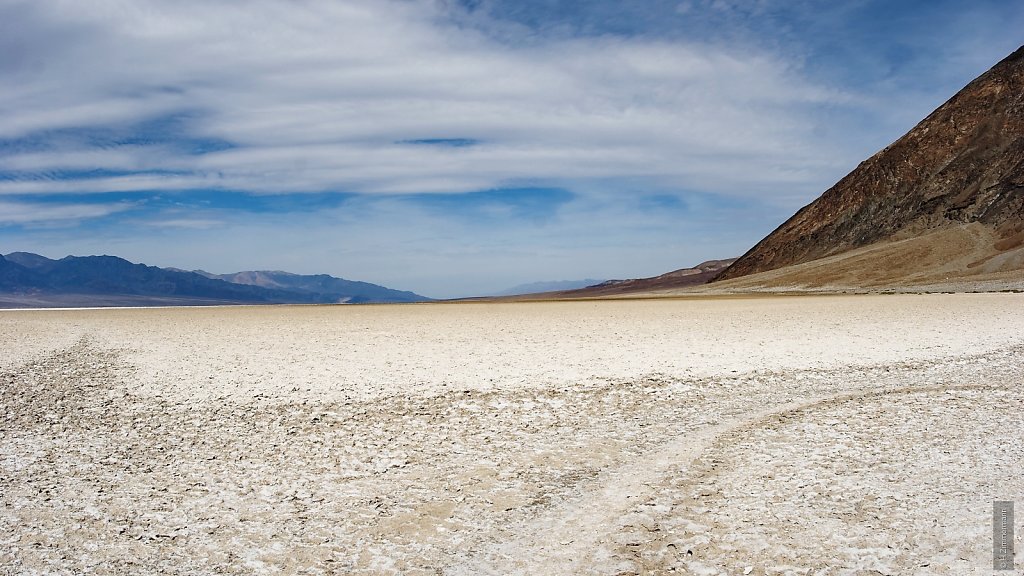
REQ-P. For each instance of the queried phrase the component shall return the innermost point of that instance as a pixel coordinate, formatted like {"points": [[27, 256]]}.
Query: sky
{"points": [[456, 147]]}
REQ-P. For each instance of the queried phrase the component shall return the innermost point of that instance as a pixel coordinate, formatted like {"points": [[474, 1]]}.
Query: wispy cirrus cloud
{"points": [[54, 214], [334, 96], [188, 223]]}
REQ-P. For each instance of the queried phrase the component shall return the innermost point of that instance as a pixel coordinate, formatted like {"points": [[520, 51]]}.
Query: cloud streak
{"points": [[318, 96], [54, 214]]}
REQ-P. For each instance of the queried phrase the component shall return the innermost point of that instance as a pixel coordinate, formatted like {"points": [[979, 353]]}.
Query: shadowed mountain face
{"points": [[13, 276], [32, 280], [962, 166]]}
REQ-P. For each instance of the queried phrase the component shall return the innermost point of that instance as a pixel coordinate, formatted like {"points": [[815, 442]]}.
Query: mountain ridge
{"points": [[676, 279], [28, 279], [315, 284], [548, 286]]}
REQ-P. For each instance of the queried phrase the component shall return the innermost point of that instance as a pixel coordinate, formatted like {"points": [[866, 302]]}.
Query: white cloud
{"points": [[30, 213], [188, 223], [316, 95]]}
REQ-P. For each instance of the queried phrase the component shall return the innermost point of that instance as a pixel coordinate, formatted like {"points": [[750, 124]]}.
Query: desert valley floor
{"points": [[770, 435]]}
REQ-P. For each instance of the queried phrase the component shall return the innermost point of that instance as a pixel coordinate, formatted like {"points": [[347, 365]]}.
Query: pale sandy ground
{"points": [[785, 435]]}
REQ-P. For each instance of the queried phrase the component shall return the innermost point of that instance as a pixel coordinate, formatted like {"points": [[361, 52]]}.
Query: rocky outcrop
{"points": [[962, 164]]}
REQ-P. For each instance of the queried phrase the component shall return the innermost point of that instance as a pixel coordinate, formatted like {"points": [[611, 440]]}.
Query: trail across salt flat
{"points": [[687, 436]]}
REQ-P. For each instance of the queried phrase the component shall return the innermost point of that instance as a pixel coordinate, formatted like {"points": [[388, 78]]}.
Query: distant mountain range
{"points": [[31, 280], [535, 287], [683, 278]]}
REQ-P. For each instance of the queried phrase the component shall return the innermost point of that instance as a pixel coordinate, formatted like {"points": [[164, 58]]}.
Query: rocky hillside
{"points": [[962, 167]]}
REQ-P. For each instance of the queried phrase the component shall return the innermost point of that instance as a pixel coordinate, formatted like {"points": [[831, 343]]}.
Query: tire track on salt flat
{"points": [[571, 537]]}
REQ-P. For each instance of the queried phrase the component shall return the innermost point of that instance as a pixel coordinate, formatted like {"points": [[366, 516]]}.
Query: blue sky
{"points": [[455, 147]]}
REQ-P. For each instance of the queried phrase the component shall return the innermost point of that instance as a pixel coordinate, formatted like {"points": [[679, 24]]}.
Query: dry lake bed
{"points": [[771, 435]]}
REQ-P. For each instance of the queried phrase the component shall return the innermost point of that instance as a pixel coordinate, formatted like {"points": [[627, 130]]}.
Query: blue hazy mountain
{"points": [[317, 284], [28, 279]]}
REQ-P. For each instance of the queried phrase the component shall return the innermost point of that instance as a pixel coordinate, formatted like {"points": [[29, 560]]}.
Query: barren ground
{"points": [[782, 435], [965, 258]]}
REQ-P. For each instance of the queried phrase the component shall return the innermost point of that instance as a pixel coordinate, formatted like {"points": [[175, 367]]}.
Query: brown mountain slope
{"points": [[961, 168], [958, 258], [677, 279]]}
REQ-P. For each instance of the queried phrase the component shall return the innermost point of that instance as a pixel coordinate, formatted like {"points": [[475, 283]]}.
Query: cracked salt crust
{"points": [[618, 437]]}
